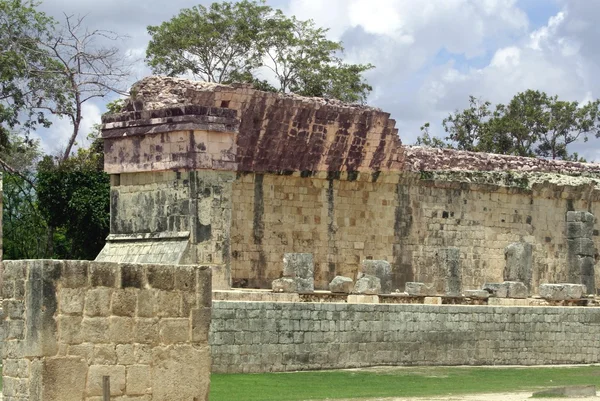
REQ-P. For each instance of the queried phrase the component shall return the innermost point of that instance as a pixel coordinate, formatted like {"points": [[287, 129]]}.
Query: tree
{"points": [[531, 124], [88, 69], [425, 139], [24, 228], [26, 81], [230, 42], [74, 199]]}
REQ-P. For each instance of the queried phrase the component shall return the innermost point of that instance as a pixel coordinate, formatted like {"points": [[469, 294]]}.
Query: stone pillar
{"points": [[300, 267], [449, 265], [519, 261], [581, 250], [380, 269], [69, 323]]}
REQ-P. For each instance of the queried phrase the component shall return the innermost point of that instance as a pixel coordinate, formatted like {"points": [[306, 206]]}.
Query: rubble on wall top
{"points": [[158, 92], [419, 158]]}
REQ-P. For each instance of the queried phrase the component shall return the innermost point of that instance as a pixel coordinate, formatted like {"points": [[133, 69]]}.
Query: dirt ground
{"points": [[520, 396]]}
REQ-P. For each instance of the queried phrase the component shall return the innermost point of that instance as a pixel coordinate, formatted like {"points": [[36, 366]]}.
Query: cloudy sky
{"points": [[430, 54]]}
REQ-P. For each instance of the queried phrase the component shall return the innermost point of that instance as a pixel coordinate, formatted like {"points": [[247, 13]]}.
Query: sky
{"points": [[430, 55]]}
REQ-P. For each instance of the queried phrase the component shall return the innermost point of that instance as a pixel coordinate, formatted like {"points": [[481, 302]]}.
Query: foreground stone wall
{"points": [[69, 323], [265, 336]]}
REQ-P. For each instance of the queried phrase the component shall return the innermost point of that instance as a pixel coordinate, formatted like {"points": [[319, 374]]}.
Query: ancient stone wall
{"points": [[69, 323], [404, 219], [236, 177], [271, 337]]}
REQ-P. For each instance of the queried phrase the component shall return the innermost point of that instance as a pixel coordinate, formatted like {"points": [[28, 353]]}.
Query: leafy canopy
{"points": [[242, 41], [531, 124]]}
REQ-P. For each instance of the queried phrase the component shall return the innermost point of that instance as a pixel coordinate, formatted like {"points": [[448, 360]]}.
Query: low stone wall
{"points": [[269, 336], [69, 323]]}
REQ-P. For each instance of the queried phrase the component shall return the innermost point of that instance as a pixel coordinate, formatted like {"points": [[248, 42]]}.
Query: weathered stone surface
{"points": [[419, 289], [182, 371], [519, 262], [516, 289], [560, 292], [63, 378], [478, 294], [497, 290], [300, 266], [449, 265], [60, 340], [341, 284], [367, 285], [380, 269], [581, 249], [285, 284]]}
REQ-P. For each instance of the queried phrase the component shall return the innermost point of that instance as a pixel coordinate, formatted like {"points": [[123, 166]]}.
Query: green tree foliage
{"points": [[26, 78], [74, 200], [24, 228], [230, 42], [531, 124]]}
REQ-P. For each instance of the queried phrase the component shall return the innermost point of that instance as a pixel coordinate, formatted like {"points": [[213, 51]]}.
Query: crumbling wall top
{"points": [[419, 158]]}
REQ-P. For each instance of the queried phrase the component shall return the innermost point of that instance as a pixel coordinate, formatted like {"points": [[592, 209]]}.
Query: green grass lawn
{"points": [[395, 382]]}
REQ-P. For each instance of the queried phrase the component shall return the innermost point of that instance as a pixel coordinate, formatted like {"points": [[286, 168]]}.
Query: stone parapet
{"points": [[69, 323], [419, 158], [252, 337]]}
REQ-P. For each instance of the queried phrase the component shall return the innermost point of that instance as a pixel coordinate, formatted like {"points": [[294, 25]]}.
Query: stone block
{"points": [[300, 266], [104, 354], [180, 369], [367, 285], [161, 277], [519, 262], [132, 276], [147, 303], [124, 302], [477, 294], [172, 331], [432, 300], [585, 217], [561, 292], [117, 379], [97, 302], [200, 324], [169, 304], [125, 354], [71, 301], [120, 329], [449, 265], [516, 289], [103, 274], [497, 290], [138, 380], [63, 378], [363, 299], [341, 285], [185, 278], [380, 269], [418, 289], [75, 274], [94, 330], [146, 331], [284, 284]]}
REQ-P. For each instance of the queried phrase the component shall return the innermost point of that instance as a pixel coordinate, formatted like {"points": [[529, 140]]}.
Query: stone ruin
{"points": [[227, 186], [237, 179]]}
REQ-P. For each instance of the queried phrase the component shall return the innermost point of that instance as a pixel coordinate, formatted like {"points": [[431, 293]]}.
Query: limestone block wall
{"points": [[266, 336], [340, 220], [69, 323], [404, 219]]}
